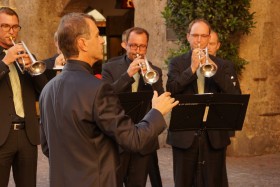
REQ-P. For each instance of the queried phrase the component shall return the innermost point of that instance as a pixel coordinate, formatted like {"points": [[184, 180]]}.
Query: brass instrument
{"points": [[36, 68], [207, 69], [150, 76]]}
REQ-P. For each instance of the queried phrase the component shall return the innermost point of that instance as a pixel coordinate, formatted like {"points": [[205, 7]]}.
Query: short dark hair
{"points": [[137, 30], [9, 11], [71, 27], [196, 21]]}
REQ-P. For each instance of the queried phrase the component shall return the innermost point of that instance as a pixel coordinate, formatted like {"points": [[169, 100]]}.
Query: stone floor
{"points": [[259, 171]]}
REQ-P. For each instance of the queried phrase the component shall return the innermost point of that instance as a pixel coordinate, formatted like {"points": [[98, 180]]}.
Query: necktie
{"points": [[134, 86], [200, 86], [16, 87], [200, 82]]}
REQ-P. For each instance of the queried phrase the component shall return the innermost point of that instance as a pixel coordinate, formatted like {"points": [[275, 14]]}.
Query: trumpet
{"points": [[36, 68], [150, 76], [207, 69]]}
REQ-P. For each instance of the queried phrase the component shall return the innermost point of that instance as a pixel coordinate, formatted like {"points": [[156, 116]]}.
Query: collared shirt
{"points": [[14, 116]]}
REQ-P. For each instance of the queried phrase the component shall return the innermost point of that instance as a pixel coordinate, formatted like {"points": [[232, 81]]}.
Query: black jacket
{"points": [[30, 86], [181, 80]]}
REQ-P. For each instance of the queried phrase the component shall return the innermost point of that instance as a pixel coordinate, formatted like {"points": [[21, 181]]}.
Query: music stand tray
{"points": [[210, 111], [136, 104]]}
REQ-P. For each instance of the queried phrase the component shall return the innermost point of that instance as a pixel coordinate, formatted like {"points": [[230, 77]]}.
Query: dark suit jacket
{"points": [[232, 73], [30, 86], [181, 80], [82, 123], [50, 72], [115, 73]]}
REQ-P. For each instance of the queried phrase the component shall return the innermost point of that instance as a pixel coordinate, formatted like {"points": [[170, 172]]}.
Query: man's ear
{"points": [[218, 45], [187, 36], [123, 44], [82, 44]]}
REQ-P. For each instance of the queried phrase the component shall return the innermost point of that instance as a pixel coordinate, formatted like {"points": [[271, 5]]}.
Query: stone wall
{"points": [[261, 79], [39, 20]]}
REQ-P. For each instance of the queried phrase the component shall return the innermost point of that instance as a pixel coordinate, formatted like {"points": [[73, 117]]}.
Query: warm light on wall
{"points": [[127, 4]]}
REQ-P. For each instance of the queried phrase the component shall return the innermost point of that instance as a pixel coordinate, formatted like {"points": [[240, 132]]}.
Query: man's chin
{"points": [[5, 45], [100, 58]]}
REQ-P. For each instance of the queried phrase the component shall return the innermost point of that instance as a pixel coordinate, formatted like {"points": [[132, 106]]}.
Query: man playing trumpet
{"points": [[199, 156], [125, 73], [19, 128]]}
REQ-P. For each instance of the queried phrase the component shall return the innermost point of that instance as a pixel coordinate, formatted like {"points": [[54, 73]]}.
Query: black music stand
{"points": [[209, 111], [136, 104]]}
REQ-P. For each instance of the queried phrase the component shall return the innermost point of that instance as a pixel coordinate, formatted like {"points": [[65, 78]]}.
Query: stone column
{"points": [[148, 16]]}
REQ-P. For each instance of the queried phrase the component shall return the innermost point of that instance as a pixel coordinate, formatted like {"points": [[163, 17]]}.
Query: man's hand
{"points": [[196, 59], [59, 60], [16, 53], [163, 103], [134, 66]]}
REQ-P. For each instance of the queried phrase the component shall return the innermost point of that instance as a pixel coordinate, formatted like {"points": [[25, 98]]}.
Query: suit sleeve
{"points": [[179, 77], [121, 83], [43, 140], [233, 75], [111, 119], [4, 70], [223, 78]]}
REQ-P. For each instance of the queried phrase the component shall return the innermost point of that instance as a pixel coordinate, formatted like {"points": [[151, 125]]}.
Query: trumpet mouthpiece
{"points": [[139, 55]]}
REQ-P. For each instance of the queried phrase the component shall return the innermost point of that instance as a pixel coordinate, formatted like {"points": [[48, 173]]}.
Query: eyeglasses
{"points": [[7, 27], [135, 47], [202, 36]]}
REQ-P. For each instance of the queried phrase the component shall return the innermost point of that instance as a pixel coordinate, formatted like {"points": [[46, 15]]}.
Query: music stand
{"points": [[136, 104], [210, 111]]}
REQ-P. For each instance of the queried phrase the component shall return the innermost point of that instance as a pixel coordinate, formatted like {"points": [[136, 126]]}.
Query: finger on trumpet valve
{"points": [[142, 64]]}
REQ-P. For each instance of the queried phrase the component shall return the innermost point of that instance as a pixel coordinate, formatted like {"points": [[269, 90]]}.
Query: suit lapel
{"points": [[188, 60], [7, 79], [122, 67]]}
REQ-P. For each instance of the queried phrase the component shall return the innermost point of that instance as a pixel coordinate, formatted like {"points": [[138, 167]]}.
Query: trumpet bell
{"points": [[151, 77], [37, 68], [208, 70]]}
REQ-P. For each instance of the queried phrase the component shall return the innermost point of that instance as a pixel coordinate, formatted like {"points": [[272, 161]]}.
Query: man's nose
{"points": [[138, 49]]}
